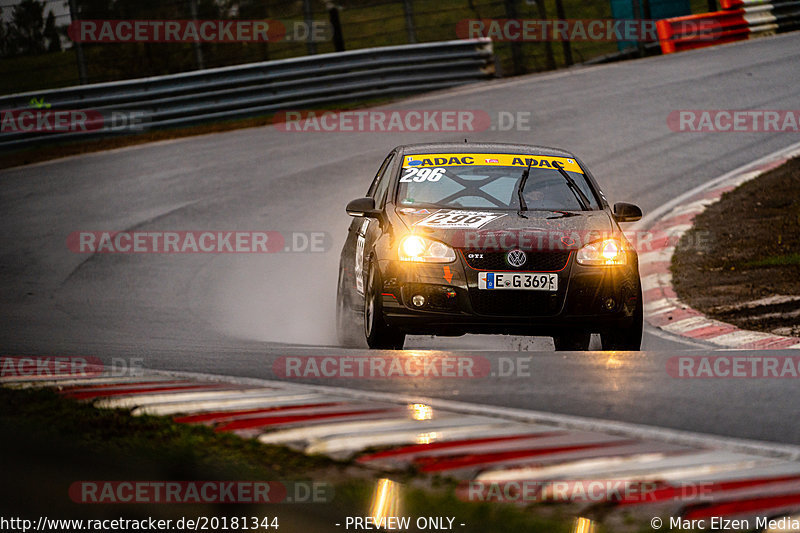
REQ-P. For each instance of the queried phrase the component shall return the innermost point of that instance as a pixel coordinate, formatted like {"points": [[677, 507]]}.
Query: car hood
{"points": [[536, 230]]}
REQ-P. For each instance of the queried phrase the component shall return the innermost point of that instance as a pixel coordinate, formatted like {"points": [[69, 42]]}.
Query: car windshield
{"points": [[490, 181]]}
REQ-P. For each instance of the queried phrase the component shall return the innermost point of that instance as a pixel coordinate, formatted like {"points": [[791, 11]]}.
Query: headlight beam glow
{"points": [[419, 249], [609, 252]]}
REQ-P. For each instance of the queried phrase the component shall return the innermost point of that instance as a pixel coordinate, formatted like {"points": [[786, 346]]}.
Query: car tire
{"points": [[574, 341], [378, 334], [626, 338], [348, 332]]}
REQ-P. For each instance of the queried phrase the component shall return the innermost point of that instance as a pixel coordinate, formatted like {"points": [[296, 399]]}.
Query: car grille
{"points": [[536, 261], [514, 303]]}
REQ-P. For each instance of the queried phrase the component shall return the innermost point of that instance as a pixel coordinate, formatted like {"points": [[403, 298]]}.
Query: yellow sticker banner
{"points": [[497, 160]]}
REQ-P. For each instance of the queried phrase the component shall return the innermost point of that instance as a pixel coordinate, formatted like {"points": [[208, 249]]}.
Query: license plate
{"points": [[526, 281]]}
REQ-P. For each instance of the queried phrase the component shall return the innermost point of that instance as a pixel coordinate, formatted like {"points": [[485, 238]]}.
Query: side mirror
{"points": [[627, 212], [363, 207]]}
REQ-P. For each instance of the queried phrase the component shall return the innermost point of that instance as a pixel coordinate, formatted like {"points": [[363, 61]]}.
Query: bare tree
{"points": [[26, 31]]}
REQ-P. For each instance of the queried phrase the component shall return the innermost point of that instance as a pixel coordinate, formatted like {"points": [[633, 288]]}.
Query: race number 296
{"points": [[419, 175], [458, 219]]}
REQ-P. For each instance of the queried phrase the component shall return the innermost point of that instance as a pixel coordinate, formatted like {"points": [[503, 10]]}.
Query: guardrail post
{"points": [[336, 25], [647, 13], [82, 75], [198, 52], [308, 15], [516, 48], [637, 15], [566, 45], [550, 58], [408, 8]]}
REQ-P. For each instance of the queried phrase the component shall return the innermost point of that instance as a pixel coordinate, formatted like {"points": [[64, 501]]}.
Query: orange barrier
{"points": [[697, 31], [739, 20], [735, 4]]}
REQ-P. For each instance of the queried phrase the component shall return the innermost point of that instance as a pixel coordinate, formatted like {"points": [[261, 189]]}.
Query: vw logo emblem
{"points": [[516, 258]]}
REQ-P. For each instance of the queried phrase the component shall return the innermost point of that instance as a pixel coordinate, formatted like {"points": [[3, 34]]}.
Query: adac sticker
{"points": [[504, 160]]}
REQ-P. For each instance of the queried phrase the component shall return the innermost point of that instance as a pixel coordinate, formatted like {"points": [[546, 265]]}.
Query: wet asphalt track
{"points": [[235, 314]]}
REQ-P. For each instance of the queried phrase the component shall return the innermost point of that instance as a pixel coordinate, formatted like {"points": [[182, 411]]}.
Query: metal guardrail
{"points": [[259, 88]]}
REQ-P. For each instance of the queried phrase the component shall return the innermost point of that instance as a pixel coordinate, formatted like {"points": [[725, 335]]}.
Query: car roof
{"points": [[475, 147]]}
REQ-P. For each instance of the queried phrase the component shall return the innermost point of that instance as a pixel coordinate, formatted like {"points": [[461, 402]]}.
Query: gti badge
{"points": [[516, 258]]}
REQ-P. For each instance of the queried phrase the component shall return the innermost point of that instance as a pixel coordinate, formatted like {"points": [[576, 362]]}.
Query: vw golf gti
{"points": [[512, 239]]}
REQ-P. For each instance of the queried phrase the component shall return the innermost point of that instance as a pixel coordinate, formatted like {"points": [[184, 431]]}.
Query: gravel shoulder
{"points": [[740, 263]]}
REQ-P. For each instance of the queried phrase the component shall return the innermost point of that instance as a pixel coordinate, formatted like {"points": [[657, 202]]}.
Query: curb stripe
{"points": [[89, 395], [671, 492], [442, 464], [220, 416], [422, 448], [268, 421], [739, 507]]}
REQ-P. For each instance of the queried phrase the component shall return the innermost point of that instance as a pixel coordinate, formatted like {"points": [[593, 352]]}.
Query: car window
{"points": [[384, 180], [492, 186], [373, 188]]}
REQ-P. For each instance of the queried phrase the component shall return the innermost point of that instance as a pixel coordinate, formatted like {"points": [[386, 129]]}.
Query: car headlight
{"points": [[603, 253], [422, 250]]}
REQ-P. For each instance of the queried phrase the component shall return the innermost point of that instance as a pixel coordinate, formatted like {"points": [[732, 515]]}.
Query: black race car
{"points": [[488, 238]]}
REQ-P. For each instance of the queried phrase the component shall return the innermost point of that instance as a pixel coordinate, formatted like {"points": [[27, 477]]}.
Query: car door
{"points": [[366, 231]]}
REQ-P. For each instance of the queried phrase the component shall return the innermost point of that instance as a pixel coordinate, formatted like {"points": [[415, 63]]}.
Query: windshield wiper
{"points": [[582, 199], [564, 214], [523, 206]]}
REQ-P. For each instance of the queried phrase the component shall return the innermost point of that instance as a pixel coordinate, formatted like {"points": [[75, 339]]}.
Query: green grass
{"points": [[776, 260], [30, 73]]}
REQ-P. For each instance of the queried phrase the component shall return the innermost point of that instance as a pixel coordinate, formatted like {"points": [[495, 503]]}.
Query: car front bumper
{"points": [[590, 298]]}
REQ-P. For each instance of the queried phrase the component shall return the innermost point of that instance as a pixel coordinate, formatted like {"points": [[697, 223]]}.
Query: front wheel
{"points": [[629, 338], [379, 335]]}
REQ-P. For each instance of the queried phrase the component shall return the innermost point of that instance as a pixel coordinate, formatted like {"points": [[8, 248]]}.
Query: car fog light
{"points": [[418, 300], [610, 304]]}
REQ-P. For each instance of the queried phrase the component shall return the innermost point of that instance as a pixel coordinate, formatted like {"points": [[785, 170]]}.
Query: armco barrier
{"points": [[739, 20], [262, 88]]}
